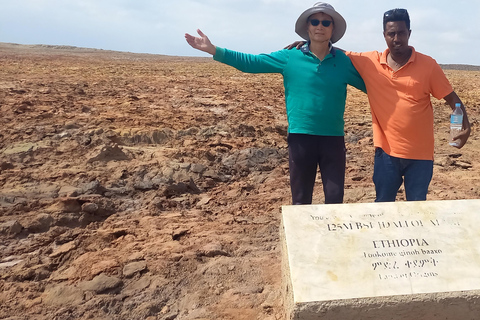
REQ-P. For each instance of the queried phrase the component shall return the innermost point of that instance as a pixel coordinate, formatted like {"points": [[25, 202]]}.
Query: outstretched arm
{"points": [[251, 63], [201, 43], [463, 135]]}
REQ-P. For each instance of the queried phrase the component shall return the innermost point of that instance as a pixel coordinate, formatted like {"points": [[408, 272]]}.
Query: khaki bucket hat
{"points": [[339, 24]]}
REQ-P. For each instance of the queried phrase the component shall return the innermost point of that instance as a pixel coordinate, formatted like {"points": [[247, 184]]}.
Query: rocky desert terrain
{"points": [[138, 186]]}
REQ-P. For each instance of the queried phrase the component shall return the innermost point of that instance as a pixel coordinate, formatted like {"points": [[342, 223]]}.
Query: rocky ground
{"points": [[150, 187]]}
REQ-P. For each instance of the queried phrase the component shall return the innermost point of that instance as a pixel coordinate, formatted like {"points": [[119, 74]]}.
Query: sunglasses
{"points": [[325, 23], [396, 12]]}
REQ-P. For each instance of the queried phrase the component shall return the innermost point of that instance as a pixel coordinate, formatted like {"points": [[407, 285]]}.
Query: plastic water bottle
{"points": [[456, 120]]}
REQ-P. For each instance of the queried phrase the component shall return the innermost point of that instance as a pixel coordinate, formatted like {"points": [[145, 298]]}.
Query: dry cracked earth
{"points": [[150, 187]]}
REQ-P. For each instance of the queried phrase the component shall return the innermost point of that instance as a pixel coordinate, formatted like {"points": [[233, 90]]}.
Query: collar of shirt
{"points": [[383, 57], [306, 48]]}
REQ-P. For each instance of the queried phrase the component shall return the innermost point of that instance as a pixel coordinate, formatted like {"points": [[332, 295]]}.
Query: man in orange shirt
{"points": [[399, 83]]}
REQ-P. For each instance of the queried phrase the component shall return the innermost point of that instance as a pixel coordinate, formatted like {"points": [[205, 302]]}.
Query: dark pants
{"points": [[390, 172], [306, 152]]}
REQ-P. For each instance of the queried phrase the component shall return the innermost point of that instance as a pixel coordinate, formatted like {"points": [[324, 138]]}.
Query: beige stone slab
{"points": [[382, 253]]}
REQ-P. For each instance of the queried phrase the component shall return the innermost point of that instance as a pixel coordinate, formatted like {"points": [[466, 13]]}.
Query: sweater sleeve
{"points": [[274, 62]]}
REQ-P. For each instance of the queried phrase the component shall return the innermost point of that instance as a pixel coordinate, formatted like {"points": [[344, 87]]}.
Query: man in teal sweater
{"points": [[315, 81]]}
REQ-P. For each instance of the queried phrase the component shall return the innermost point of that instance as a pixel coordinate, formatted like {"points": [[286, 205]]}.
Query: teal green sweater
{"points": [[315, 91]]}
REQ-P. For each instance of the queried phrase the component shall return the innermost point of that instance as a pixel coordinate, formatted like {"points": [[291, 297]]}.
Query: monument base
{"points": [[382, 261], [445, 306]]}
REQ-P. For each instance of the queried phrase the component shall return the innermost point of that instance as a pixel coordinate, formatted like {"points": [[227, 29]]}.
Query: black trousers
{"points": [[306, 152]]}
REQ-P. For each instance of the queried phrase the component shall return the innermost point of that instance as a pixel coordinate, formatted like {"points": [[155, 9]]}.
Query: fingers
{"points": [[201, 43], [296, 44], [462, 138], [190, 39], [460, 144], [300, 44], [201, 34], [195, 41]]}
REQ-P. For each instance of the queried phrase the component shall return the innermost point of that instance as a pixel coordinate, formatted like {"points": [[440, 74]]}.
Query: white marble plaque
{"points": [[348, 251]]}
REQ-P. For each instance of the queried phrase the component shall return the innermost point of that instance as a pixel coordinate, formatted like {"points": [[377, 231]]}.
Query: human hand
{"points": [[202, 43], [296, 44], [462, 137]]}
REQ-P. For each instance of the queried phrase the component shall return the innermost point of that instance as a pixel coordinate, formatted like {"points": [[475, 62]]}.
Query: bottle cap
{"points": [[458, 104]]}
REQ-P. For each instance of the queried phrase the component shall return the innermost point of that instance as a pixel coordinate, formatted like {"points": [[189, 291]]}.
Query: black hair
{"points": [[396, 15]]}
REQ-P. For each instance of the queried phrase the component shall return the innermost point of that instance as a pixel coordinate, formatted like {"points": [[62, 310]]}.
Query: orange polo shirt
{"points": [[402, 114]]}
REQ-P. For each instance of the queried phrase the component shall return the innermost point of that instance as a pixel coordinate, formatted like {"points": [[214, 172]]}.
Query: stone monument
{"points": [[382, 261]]}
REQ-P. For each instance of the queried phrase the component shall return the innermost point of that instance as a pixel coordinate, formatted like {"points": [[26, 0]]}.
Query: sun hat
{"points": [[339, 24]]}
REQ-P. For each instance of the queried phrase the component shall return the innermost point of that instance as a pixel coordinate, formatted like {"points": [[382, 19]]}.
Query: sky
{"points": [[448, 31]]}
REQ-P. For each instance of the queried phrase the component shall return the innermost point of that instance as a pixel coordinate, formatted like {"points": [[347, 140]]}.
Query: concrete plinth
{"points": [[382, 261]]}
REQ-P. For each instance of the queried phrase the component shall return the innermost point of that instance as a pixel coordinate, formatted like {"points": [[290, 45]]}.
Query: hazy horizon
{"points": [[443, 31]]}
